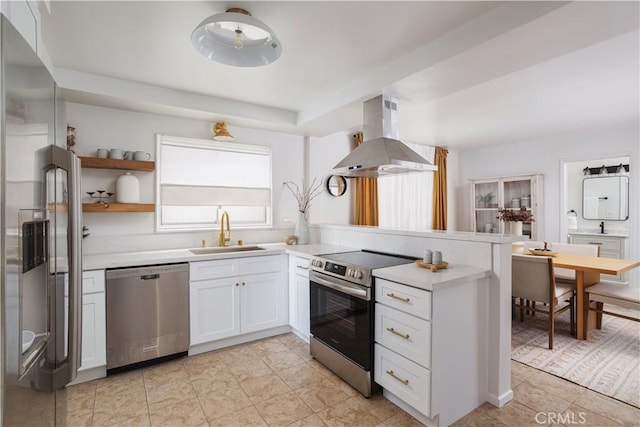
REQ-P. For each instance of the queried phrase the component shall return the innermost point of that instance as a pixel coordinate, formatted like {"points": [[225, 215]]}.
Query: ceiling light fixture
{"points": [[220, 133], [236, 38]]}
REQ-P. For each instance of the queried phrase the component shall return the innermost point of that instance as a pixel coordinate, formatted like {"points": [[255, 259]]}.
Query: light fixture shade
{"points": [[220, 133], [236, 38]]}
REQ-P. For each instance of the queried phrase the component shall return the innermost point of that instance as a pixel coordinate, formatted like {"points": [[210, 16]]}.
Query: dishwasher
{"points": [[147, 314]]}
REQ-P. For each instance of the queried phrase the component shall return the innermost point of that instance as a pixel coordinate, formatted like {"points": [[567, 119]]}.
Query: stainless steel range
{"points": [[342, 304]]}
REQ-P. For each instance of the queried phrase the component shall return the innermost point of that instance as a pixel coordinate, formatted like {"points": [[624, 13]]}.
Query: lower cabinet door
{"points": [[94, 331], [214, 309], [404, 378], [263, 304]]}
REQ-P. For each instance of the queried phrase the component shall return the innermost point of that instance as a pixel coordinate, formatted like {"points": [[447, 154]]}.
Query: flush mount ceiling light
{"points": [[220, 133], [236, 38]]}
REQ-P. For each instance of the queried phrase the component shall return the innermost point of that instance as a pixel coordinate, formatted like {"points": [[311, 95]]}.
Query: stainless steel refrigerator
{"points": [[40, 242]]}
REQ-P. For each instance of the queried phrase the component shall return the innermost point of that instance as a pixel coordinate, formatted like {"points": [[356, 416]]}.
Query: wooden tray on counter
{"points": [[432, 267]]}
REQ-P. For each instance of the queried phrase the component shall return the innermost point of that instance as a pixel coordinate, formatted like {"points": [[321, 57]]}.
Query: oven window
{"points": [[342, 322]]}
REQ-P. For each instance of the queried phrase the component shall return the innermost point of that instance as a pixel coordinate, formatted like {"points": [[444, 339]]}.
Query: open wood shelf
{"points": [[118, 207], [100, 163]]}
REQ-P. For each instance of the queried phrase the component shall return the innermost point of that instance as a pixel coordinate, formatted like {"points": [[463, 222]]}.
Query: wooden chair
{"points": [[566, 275], [611, 293], [532, 279]]}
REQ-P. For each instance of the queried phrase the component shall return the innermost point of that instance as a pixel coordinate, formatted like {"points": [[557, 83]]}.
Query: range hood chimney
{"points": [[381, 153]]}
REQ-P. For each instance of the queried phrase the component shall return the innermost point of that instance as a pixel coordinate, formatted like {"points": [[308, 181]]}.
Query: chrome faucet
{"points": [[221, 237]]}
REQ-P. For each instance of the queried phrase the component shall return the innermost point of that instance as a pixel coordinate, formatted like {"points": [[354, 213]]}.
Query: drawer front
{"points": [[203, 270], [404, 378], [611, 244], [93, 281], [405, 334], [410, 300], [299, 265], [261, 264]]}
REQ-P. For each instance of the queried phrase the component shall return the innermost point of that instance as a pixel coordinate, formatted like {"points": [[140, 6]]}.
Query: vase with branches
{"points": [[304, 195], [515, 218]]}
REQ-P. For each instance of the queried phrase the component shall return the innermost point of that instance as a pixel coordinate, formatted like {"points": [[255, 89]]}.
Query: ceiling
{"points": [[467, 74]]}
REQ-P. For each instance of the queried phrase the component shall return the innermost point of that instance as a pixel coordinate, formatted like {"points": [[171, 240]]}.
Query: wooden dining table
{"points": [[588, 270]]}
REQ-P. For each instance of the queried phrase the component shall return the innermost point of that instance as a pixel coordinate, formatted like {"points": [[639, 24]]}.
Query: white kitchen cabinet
{"points": [[21, 14], [430, 348], [511, 192], [236, 296], [299, 310], [94, 327], [610, 247]]}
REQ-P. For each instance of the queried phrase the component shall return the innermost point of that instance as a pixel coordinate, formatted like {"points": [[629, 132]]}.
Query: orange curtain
{"points": [[366, 212], [439, 217]]}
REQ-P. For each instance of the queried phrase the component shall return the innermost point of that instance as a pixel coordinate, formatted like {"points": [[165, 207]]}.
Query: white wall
{"points": [[546, 155], [98, 127]]}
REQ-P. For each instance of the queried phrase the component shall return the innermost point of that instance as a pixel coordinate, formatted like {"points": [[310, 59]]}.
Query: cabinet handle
{"points": [[237, 284], [393, 331], [405, 382], [595, 243], [394, 296], [243, 283], [302, 267]]}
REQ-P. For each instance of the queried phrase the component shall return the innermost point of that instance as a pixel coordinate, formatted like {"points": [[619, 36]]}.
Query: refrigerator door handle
{"points": [[75, 265]]}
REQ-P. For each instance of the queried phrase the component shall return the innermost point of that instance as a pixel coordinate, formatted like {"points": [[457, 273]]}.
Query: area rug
{"points": [[607, 362]]}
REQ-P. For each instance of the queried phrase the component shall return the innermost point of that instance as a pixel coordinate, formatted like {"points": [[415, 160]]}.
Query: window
{"points": [[405, 201], [197, 180]]}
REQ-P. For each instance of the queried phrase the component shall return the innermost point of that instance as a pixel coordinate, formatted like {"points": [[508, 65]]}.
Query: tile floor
{"points": [[274, 382]]}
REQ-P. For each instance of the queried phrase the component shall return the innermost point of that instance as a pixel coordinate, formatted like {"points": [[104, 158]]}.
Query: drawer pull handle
{"points": [[393, 331], [405, 382], [302, 267], [595, 243], [394, 296]]}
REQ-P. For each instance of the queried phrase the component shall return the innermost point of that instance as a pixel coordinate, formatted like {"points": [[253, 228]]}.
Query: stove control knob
{"points": [[358, 274]]}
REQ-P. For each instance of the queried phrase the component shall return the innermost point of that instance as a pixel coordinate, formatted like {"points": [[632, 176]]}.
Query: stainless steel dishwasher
{"points": [[147, 313]]}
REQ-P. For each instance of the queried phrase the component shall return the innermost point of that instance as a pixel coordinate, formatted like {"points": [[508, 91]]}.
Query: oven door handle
{"points": [[342, 286]]}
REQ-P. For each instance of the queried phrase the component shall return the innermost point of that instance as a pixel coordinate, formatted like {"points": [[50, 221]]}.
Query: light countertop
{"points": [[612, 233], [169, 256], [423, 278]]}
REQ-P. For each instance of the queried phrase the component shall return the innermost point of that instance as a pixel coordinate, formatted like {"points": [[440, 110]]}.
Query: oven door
{"points": [[342, 317]]}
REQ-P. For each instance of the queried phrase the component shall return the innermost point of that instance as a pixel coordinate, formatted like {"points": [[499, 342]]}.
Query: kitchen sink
{"points": [[224, 249]]}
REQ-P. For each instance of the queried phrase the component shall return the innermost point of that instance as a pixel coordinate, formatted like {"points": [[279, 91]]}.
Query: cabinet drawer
{"points": [[410, 300], [92, 281], [299, 265], [404, 378], [216, 269], [606, 244], [261, 264], [405, 334]]}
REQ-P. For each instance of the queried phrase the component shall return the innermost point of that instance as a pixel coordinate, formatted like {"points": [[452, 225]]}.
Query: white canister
{"points": [[127, 189]]}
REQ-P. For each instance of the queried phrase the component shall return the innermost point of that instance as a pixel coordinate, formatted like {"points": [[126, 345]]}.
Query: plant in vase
{"points": [[303, 196], [485, 200], [516, 217]]}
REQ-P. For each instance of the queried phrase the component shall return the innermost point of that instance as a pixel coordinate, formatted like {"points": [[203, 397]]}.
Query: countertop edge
{"points": [[421, 278]]}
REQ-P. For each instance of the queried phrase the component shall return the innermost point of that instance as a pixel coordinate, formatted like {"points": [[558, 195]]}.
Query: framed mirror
{"points": [[336, 185], [605, 197]]}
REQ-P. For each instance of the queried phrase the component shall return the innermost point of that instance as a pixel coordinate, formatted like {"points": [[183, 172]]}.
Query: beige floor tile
{"points": [[346, 388], [348, 413], [283, 410], [617, 411], [223, 402], [248, 417], [245, 369], [321, 394], [80, 418], [118, 384], [81, 391], [264, 388], [268, 346], [310, 421], [282, 360], [159, 378], [322, 369], [164, 370], [401, 420], [378, 405], [478, 419], [169, 394], [514, 414], [110, 409], [81, 404], [577, 415], [290, 339], [300, 376], [187, 413], [538, 399], [213, 380], [551, 384], [232, 355], [139, 421], [203, 363]]}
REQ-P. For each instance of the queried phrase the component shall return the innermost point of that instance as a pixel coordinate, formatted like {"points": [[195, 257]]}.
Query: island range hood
{"points": [[381, 153]]}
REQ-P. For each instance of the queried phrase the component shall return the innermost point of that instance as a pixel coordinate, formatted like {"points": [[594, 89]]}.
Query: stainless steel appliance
{"points": [[41, 242], [147, 314], [342, 309]]}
